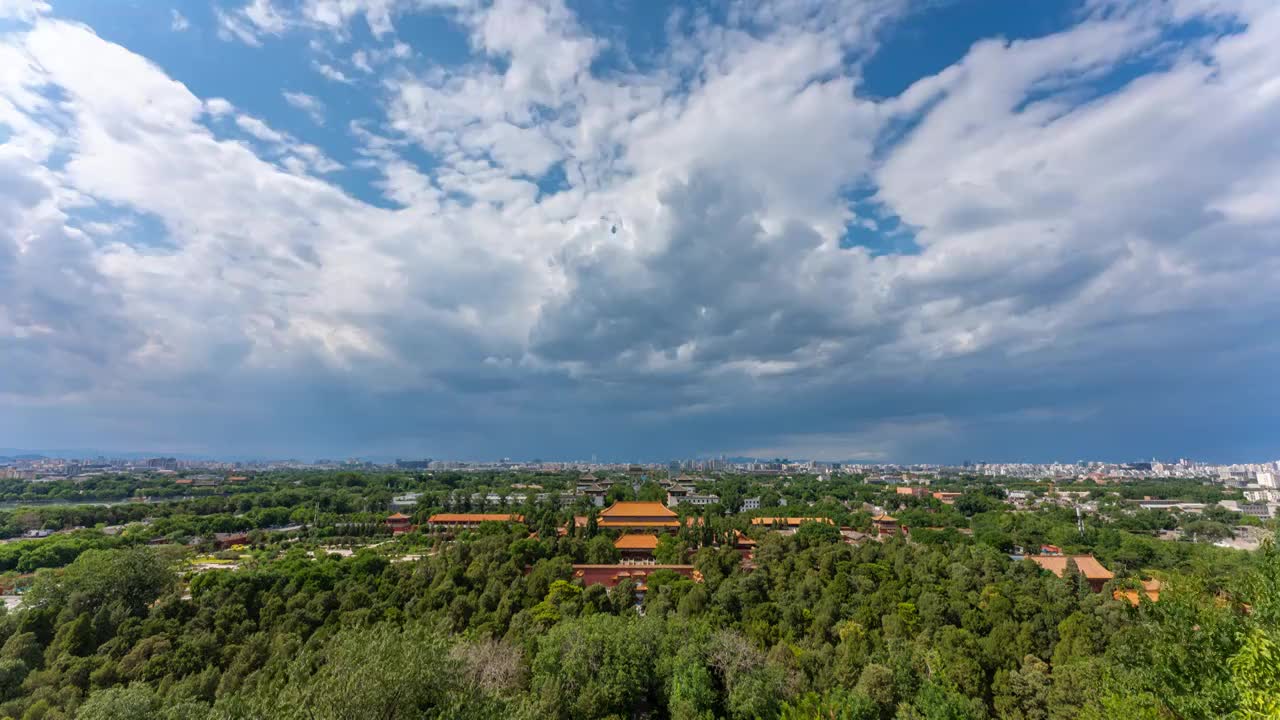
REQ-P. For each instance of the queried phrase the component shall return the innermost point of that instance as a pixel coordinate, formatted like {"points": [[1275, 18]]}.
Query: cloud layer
{"points": [[570, 242]]}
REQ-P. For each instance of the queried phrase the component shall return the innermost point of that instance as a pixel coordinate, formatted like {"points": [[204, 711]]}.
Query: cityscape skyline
{"points": [[11, 455]]}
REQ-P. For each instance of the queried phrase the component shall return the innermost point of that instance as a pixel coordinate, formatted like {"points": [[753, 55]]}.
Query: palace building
{"points": [[638, 516]]}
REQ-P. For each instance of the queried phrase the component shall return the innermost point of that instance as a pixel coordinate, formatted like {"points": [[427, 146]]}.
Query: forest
{"points": [[492, 623]]}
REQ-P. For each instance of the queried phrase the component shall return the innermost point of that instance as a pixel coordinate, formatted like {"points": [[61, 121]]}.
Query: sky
{"points": [[875, 230]]}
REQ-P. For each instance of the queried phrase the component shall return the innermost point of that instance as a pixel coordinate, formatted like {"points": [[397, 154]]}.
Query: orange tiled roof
{"points": [[790, 521], [1150, 588], [611, 575], [639, 523], [884, 517], [1087, 564], [472, 517], [624, 510], [636, 541], [397, 516]]}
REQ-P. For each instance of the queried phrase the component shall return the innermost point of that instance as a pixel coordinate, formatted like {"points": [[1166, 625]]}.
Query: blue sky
{"points": [[894, 230]]}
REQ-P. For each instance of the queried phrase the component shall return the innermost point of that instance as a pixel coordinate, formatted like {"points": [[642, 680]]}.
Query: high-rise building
{"points": [[1267, 479]]}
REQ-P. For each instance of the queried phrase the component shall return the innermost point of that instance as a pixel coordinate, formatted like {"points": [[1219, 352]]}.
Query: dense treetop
{"points": [[491, 623]]}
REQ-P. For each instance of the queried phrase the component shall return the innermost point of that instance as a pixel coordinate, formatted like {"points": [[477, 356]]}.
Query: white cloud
{"points": [[259, 129], [264, 16], [298, 157], [179, 22], [689, 264], [24, 10], [232, 27], [332, 73], [218, 107], [251, 22], [360, 59], [309, 104], [335, 14]]}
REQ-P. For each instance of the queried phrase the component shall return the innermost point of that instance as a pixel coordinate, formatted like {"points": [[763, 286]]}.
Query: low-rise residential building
{"points": [[224, 541], [405, 501], [701, 500], [1186, 507], [1259, 510]]}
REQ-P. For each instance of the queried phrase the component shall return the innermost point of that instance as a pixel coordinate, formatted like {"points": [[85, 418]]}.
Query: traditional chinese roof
{"points": [[641, 523], [470, 517], [1150, 588], [1087, 564], [636, 541], [624, 510], [789, 521], [611, 575]]}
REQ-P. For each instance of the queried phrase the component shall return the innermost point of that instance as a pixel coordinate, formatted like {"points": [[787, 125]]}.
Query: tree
{"points": [[691, 693], [837, 704], [1255, 672], [817, 533], [12, 673], [600, 551], [592, 667], [651, 492], [1023, 694], [671, 550], [132, 577], [384, 672], [136, 702]]}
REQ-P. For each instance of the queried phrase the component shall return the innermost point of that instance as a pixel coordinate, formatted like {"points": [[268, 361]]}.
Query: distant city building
{"points": [[414, 464], [405, 501], [1258, 510], [701, 500]]}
